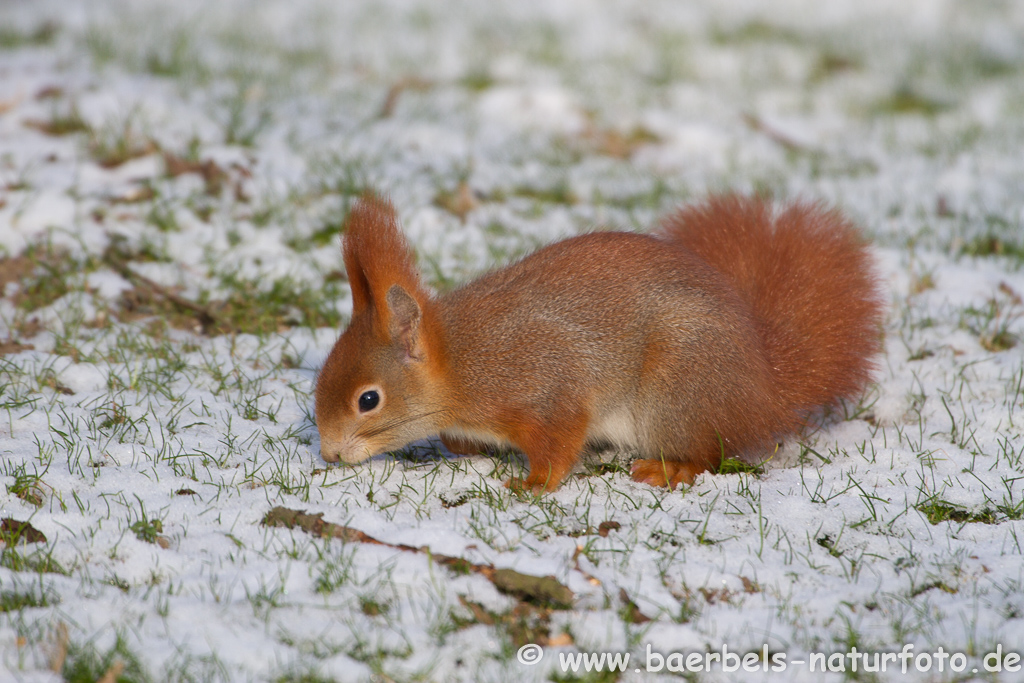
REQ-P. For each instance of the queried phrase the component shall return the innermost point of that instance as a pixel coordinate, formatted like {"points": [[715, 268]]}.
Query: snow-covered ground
{"points": [[173, 177]]}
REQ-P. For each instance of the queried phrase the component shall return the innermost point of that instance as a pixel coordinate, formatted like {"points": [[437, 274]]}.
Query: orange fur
{"points": [[711, 338], [810, 280], [377, 255]]}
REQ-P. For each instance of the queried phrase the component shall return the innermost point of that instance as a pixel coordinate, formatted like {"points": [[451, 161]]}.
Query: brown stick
{"points": [[542, 588], [756, 123], [207, 319]]}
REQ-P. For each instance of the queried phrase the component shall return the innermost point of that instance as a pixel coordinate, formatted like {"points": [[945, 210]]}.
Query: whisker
{"points": [[379, 429]]}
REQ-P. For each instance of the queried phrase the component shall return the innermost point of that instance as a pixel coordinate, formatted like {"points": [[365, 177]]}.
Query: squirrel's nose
{"points": [[348, 450], [330, 449]]}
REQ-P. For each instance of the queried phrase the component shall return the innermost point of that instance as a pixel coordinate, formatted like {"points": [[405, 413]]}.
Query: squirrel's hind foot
{"points": [[668, 473]]}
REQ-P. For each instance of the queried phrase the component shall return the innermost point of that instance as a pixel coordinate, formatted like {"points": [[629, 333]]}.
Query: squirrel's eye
{"points": [[368, 400]]}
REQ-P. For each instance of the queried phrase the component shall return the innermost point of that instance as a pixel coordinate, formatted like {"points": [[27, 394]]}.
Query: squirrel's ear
{"points": [[357, 280], [404, 325], [378, 258], [361, 219]]}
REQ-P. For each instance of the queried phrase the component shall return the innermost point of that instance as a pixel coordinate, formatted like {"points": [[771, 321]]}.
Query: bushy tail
{"points": [[810, 281]]}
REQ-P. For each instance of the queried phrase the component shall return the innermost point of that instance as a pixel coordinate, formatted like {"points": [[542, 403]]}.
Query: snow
{"points": [[907, 116]]}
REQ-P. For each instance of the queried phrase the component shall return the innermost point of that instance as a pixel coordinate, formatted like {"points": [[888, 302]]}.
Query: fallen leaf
{"points": [[13, 532]]}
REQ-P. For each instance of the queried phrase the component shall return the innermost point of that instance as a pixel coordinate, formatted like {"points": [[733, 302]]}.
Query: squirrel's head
{"points": [[379, 387]]}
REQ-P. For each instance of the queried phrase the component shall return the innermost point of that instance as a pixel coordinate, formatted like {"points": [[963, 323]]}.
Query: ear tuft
{"points": [[377, 257]]}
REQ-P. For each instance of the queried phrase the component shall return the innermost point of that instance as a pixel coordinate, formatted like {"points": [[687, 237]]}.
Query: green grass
{"points": [[303, 677], [905, 100], [11, 601], [40, 36], [120, 141], [27, 486], [992, 324], [50, 274], [329, 232], [938, 512], [147, 530], [66, 120], [755, 32], [86, 663], [737, 466], [830, 64], [31, 560], [177, 56], [992, 244], [252, 307]]}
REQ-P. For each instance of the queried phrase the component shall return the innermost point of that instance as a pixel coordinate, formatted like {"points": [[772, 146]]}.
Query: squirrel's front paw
{"points": [[518, 485]]}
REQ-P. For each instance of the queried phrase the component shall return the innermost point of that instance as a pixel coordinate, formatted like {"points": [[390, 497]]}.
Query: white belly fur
{"points": [[616, 427], [481, 437]]}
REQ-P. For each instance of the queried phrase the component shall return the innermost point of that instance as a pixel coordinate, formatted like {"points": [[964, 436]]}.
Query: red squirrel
{"points": [[713, 337]]}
